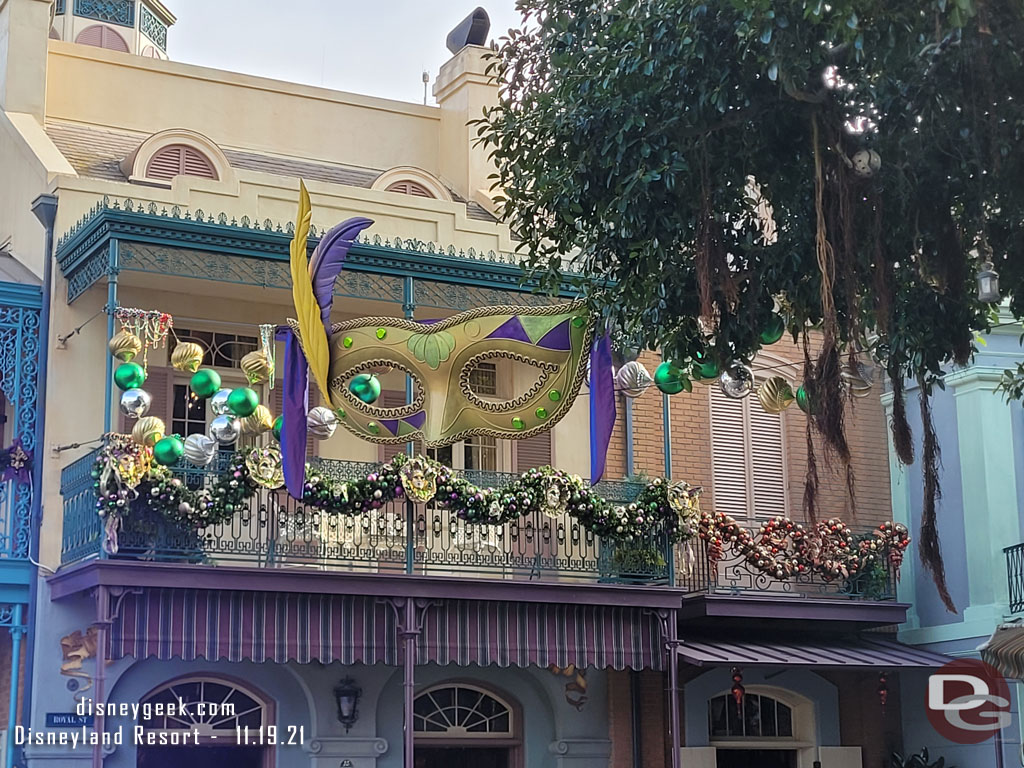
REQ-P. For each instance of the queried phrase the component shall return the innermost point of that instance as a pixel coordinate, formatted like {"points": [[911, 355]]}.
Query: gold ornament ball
{"points": [[148, 431], [256, 367], [261, 420], [125, 345], [775, 394], [187, 356]]}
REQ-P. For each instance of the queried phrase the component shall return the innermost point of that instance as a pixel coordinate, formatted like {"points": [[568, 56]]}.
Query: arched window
{"points": [[213, 707], [408, 187], [748, 458], [180, 160], [757, 717], [461, 711], [54, 34], [150, 52], [102, 36]]}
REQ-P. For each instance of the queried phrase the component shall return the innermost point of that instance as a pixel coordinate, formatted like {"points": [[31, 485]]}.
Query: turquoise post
{"points": [[112, 270], [17, 630]]}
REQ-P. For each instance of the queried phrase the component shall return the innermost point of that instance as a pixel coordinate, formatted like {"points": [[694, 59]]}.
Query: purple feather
{"points": [[329, 258]]}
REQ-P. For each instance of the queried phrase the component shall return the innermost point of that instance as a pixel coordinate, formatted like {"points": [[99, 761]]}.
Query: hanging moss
{"points": [[929, 547]]}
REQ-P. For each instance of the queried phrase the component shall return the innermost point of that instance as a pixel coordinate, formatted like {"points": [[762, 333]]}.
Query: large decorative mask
{"points": [[538, 352]]}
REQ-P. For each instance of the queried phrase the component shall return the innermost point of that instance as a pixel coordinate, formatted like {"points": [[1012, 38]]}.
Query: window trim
{"points": [[223, 736], [135, 166], [511, 737], [426, 180]]}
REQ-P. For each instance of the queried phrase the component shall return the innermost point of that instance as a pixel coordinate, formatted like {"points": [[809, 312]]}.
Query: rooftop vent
{"points": [[472, 30]]}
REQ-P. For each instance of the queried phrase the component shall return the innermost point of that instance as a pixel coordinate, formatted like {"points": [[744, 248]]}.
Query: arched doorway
{"points": [[204, 722], [765, 728], [461, 725]]}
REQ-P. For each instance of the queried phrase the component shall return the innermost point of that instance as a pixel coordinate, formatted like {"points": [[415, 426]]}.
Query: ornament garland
{"points": [[783, 548]]}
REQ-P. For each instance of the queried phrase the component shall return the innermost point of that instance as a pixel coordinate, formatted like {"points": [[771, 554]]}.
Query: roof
{"points": [[97, 153], [852, 651]]}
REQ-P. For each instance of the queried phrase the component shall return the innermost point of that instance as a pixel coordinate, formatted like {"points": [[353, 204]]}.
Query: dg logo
{"points": [[968, 701]]}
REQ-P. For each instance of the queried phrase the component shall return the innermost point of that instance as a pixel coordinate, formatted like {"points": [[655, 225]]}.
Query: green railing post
{"points": [[410, 536]]}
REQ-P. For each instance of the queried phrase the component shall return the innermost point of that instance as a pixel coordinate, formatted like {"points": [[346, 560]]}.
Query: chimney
{"points": [[24, 35], [463, 90]]}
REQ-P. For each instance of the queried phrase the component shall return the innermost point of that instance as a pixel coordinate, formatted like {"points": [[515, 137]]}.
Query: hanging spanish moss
{"points": [[714, 278], [811, 477], [902, 438], [928, 546]]}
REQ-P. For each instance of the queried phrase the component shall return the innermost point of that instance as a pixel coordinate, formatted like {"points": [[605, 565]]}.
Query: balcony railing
{"points": [[274, 530], [733, 575], [1015, 576]]}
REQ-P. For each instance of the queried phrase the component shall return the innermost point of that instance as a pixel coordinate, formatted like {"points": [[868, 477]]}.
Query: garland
{"points": [[783, 548]]}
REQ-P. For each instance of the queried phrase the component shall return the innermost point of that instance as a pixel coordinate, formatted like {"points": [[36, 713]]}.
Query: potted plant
{"points": [[920, 760], [638, 561]]}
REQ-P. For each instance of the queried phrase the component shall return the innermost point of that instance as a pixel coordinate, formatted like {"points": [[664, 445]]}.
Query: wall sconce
{"points": [[346, 694]]}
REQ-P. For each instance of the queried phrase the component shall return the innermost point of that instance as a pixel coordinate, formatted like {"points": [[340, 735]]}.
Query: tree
{"points": [[848, 165]]}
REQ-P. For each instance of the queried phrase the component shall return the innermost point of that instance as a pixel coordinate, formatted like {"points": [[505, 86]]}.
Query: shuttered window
{"points": [[160, 386], [409, 188], [748, 458], [180, 160], [533, 452], [100, 36], [390, 398]]}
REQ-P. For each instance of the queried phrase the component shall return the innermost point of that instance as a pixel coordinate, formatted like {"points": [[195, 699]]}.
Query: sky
{"points": [[376, 47]]}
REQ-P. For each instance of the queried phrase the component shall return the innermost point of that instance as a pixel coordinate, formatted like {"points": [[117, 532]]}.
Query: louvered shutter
{"points": [[533, 452], [160, 386], [390, 399], [278, 408], [409, 188], [768, 464], [178, 160], [100, 36], [729, 455]]}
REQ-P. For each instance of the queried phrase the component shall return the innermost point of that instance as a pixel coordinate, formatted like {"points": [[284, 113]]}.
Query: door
{"points": [[200, 757], [460, 757], [756, 758]]}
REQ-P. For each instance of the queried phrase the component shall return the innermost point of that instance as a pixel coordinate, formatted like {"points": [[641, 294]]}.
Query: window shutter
{"points": [[160, 386], [180, 160], [390, 399], [767, 459], [729, 455], [409, 188], [533, 452], [100, 36]]}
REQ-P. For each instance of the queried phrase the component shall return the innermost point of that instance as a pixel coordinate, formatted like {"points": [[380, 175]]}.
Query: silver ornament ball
{"points": [[866, 162], [736, 381], [632, 379], [225, 429], [135, 403], [321, 422], [219, 402], [200, 449]]}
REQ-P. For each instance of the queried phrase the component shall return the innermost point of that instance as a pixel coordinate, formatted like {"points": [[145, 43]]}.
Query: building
{"points": [[979, 520], [519, 645]]}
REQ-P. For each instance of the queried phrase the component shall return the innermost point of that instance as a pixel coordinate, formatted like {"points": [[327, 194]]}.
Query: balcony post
{"points": [[17, 630], [112, 270], [628, 434]]}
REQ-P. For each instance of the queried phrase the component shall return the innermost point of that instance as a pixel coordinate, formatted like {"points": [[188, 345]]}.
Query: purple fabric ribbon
{"points": [[602, 404], [296, 406], [19, 462]]}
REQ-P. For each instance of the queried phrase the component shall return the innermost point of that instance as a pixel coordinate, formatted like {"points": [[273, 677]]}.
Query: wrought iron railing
{"points": [[274, 530], [1015, 576], [733, 575]]}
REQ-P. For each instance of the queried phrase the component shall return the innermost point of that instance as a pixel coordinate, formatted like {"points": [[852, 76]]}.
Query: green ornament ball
{"points": [[804, 401], [243, 401], [129, 376], [670, 379], [773, 329], [205, 383], [366, 387], [706, 369], [278, 424], [168, 451]]}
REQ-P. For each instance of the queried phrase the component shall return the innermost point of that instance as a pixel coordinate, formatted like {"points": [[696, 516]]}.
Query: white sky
{"points": [[372, 47]]}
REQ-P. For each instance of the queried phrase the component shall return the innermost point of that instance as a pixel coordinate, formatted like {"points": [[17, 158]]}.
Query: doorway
{"points": [[756, 758], [201, 757], [462, 757]]}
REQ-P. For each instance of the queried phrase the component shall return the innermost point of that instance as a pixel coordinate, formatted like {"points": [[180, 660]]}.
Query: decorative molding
{"points": [[411, 173], [134, 165], [120, 12]]}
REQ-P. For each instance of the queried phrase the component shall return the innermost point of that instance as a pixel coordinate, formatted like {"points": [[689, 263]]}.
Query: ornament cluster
{"points": [[784, 549]]}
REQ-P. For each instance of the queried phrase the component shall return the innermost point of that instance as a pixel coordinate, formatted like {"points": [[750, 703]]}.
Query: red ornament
{"points": [[737, 690], [883, 689]]}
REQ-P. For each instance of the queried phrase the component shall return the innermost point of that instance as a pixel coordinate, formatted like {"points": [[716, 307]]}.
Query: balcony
{"points": [[1015, 576], [274, 530]]}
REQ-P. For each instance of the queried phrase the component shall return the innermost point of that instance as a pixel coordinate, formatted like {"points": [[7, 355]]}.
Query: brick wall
{"points": [[690, 416], [863, 721], [654, 740]]}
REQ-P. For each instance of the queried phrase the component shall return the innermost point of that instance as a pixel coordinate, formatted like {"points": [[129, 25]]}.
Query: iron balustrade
{"points": [[275, 530], [733, 575], [1015, 576]]}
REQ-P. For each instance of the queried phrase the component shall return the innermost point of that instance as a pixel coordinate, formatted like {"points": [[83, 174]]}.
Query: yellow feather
{"points": [[311, 329]]}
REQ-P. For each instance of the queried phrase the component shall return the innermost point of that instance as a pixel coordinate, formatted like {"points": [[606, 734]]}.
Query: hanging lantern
{"points": [[256, 367], [736, 381], [187, 356], [125, 345], [988, 283], [737, 690], [632, 379], [775, 395]]}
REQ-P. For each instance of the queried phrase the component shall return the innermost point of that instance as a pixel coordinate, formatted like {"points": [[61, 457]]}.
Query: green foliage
{"points": [[629, 132], [918, 761]]}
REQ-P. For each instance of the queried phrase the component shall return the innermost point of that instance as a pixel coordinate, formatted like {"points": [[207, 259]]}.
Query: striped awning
{"points": [[281, 627], [1004, 651], [844, 652]]}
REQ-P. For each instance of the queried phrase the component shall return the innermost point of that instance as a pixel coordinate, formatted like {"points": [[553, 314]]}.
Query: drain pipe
{"points": [[634, 699], [45, 209]]}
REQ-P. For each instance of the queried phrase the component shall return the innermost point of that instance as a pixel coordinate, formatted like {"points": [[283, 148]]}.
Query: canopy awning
{"points": [[280, 627], [845, 652], [1004, 651]]}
